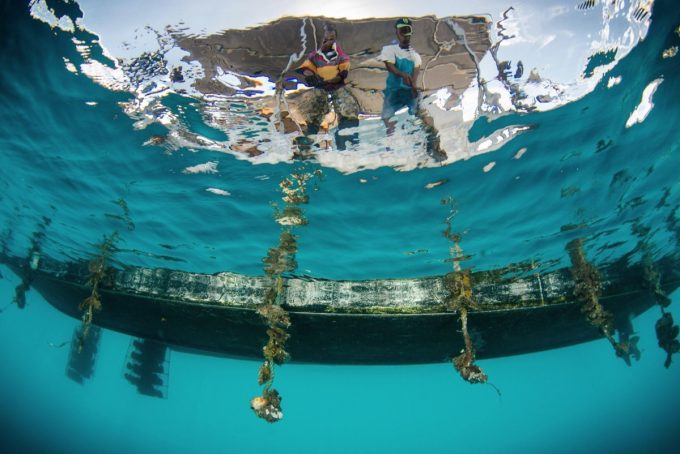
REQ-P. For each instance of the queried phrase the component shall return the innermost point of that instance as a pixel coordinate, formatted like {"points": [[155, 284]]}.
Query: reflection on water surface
{"points": [[256, 104]]}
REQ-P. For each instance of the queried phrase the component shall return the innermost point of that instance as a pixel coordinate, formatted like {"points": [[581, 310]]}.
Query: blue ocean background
{"points": [[73, 162]]}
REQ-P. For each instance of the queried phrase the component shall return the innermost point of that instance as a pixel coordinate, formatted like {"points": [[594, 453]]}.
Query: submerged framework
{"points": [[460, 316], [376, 321]]}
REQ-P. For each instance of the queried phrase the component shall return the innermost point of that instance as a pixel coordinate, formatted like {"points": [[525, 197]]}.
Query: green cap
{"points": [[404, 22]]}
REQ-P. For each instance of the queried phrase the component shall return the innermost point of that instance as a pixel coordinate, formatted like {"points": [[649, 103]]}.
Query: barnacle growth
{"points": [[268, 405]]}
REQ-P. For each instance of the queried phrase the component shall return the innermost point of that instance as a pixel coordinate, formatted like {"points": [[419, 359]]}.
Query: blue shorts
{"points": [[395, 100]]}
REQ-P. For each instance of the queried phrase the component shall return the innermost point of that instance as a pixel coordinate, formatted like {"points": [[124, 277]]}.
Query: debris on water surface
{"points": [[520, 153], [670, 52], [434, 184], [156, 139]]}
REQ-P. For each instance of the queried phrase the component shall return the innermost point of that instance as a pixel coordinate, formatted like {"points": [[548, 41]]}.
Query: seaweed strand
{"points": [[666, 329], [587, 289], [279, 261], [460, 299], [99, 273], [31, 264]]}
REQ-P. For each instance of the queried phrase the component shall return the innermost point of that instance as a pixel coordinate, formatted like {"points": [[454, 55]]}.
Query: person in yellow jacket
{"points": [[325, 70]]}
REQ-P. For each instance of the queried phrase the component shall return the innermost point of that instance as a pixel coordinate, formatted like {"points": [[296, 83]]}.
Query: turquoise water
{"points": [[73, 162]]}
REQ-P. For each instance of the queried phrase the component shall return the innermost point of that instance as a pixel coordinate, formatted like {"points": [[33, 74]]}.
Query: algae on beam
{"points": [[386, 310]]}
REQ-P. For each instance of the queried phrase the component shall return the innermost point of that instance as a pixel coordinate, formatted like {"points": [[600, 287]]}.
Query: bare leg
{"points": [[389, 125], [433, 143]]}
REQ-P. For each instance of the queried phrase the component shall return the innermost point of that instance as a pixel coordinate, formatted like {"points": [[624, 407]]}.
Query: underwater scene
{"points": [[331, 227]]}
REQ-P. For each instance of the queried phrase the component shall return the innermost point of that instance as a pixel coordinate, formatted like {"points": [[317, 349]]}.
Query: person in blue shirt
{"points": [[402, 63]]}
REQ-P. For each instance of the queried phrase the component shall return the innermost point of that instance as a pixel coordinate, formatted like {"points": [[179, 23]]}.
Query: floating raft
{"points": [[353, 322]]}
